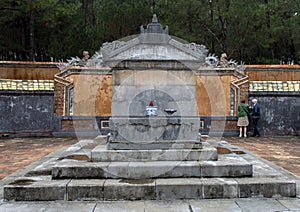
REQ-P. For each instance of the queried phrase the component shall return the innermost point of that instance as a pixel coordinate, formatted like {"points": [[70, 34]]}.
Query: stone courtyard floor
{"points": [[282, 151], [19, 152]]}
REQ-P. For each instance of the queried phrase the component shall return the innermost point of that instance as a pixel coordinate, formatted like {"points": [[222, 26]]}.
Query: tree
{"points": [[257, 31], [27, 21]]}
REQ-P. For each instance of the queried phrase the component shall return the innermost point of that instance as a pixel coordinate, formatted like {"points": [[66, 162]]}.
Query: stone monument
{"points": [[147, 70], [154, 151]]}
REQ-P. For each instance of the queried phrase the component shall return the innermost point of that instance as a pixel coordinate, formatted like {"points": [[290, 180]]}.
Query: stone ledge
{"points": [[153, 169], [153, 145], [100, 153], [47, 190], [151, 189]]}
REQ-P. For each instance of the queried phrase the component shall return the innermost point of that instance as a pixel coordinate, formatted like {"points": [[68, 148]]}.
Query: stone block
{"points": [[291, 204], [266, 187], [219, 188], [47, 190], [123, 93], [143, 189], [226, 167], [185, 169], [155, 78], [260, 204], [80, 169], [123, 77], [167, 205], [179, 188], [186, 94], [154, 145], [154, 128], [85, 190], [118, 170], [182, 78], [145, 170], [207, 153], [214, 205], [117, 206], [101, 154]]}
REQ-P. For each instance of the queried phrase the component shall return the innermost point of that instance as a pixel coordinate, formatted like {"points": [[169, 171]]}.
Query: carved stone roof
{"points": [[154, 43]]}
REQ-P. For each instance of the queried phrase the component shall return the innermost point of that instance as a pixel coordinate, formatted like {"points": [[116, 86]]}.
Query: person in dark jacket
{"points": [[255, 116], [243, 122]]}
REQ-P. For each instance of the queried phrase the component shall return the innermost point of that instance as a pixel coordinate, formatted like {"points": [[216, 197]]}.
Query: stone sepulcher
{"points": [[154, 151]]}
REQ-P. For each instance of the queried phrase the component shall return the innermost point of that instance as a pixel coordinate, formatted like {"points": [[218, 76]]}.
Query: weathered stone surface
{"points": [[231, 166], [185, 169], [214, 205], [118, 170], [261, 205], [150, 169], [101, 154], [144, 170], [154, 145], [117, 206], [177, 188], [85, 190], [167, 205], [292, 204], [154, 128], [266, 187], [79, 169], [129, 189], [60, 206], [36, 191], [219, 188]]}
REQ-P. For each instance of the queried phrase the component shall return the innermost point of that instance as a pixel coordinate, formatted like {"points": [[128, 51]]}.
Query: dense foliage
{"points": [[256, 31]]}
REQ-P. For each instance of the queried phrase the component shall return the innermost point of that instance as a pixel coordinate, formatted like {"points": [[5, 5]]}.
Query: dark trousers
{"points": [[255, 123]]}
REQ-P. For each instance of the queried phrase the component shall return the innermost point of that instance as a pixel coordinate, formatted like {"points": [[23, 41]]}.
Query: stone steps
{"points": [[100, 153], [88, 171], [68, 169], [149, 189]]}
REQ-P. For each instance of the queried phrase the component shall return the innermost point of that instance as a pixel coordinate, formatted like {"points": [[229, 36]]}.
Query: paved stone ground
{"points": [[282, 151], [19, 152]]}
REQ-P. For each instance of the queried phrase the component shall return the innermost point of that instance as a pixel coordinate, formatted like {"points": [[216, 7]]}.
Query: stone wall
{"points": [[33, 112], [279, 112], [29, 113]]}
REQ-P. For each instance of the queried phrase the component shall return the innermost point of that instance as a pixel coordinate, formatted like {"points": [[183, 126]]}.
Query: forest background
{"points": [[255, 32]]}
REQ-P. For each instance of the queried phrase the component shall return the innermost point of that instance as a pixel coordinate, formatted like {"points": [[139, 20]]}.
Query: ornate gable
{"points": [[153, 43]]}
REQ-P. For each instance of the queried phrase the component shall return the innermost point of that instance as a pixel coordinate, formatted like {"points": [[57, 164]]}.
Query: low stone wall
{"points": [[26, 112], [279, 112]]}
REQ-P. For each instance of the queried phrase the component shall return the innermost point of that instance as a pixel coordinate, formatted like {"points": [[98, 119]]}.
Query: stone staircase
{"points": [[92, 170]]}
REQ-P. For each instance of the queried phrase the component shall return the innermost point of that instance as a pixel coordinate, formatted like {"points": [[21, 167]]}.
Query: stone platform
{"points": [[72, 175], [154, 128]]}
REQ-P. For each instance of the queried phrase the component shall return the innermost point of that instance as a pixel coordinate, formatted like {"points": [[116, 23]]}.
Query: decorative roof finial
{"points": [[154, 27], [154, 19]]}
